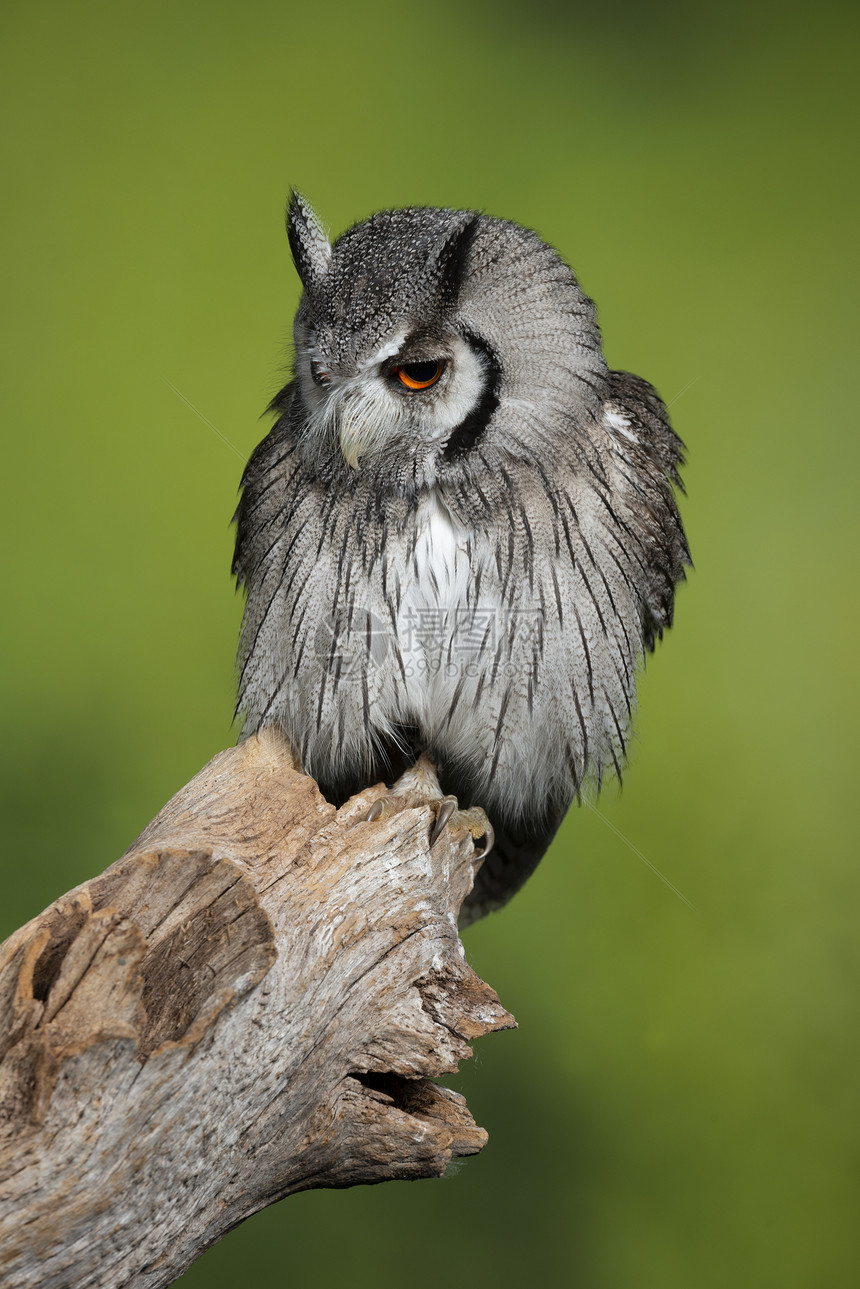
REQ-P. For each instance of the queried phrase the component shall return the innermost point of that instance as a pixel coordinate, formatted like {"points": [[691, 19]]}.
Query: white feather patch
{"points": [[620, 425], [434, 596]]}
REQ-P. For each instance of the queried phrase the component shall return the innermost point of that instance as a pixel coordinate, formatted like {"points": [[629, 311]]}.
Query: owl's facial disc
{"points": [[407, 396]]}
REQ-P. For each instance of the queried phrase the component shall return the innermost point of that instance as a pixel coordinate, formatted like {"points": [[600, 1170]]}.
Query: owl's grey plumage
{"points": [[461, 534]]}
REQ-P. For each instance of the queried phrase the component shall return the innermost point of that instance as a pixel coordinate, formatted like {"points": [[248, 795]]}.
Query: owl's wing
{"points": [[628, 553], [649, 455], [270, 494]]}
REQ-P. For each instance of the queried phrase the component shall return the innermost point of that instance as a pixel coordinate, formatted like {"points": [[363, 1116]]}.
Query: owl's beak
{"points": [[352, 443]]}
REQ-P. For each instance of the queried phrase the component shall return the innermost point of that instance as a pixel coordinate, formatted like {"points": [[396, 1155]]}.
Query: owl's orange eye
{"points": [[419, 375]]}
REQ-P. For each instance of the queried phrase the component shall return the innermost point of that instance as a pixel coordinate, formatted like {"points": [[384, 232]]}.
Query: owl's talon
{"points": [[447, 808], [376, 811], [489, 842], [472, 820]]}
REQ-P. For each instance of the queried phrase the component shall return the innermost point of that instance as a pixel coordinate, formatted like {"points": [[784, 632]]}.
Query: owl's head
{"points": [[423, 332]]}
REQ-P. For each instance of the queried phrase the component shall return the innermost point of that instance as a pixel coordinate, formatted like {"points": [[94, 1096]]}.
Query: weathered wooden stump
{"points": [[253, 1001]]}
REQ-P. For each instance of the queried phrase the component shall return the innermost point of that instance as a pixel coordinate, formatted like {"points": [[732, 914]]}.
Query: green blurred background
{"points": [[679, 1106]]}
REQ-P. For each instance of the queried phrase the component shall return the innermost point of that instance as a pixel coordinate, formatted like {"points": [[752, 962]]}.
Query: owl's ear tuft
{"points": [[310, 247], [452, 258]]}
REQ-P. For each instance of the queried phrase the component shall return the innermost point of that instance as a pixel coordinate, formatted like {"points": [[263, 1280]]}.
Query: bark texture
{"points": [[252, 1001]]}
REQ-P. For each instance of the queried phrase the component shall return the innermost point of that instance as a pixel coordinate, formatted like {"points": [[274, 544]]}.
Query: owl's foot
{"points": [[419, 786], [472, 819]]}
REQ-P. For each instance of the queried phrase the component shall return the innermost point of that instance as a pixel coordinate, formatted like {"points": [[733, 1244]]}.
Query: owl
{"points": [[461, 535]]}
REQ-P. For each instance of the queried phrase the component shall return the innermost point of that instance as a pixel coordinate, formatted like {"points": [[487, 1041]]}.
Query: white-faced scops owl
{"points": [[461, 534]]}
